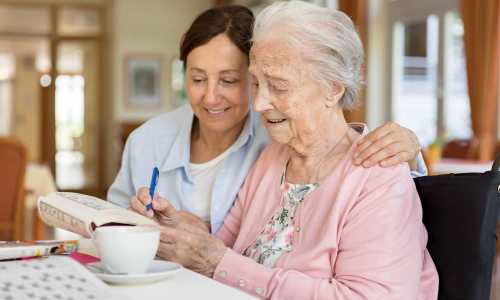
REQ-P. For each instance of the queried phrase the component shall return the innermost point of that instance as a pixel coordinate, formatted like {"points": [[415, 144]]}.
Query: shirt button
{"points": [[242, 283], [222, 274], [297, 229], [259, 290]]}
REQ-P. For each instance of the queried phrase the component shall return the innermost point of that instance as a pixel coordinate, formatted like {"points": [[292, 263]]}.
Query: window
{"points": [[69, 131], [414, 77], [429, 82], [457, 109]]}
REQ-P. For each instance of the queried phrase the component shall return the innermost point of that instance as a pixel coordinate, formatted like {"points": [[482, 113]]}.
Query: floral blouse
{"points": [[277, 236]]}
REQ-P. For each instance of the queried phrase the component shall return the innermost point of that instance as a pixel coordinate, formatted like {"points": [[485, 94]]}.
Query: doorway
{"points": [[50, 87]]}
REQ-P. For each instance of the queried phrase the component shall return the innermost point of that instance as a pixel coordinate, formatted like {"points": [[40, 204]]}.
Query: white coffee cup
{"points": [[126, 249]]}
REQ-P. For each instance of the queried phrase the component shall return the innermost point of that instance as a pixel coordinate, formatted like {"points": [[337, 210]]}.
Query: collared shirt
{"points": [[165, 142]]}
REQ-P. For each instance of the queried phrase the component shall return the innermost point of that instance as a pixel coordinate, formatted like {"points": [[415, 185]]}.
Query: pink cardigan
{"points": [[359, 236]]}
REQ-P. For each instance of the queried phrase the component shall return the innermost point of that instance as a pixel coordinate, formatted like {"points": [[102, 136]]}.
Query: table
{"points": [[185, 284], [452, 165], [38, 182]]}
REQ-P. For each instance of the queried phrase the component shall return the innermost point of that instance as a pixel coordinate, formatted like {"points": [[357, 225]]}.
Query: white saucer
{"points": [[158, 270]]}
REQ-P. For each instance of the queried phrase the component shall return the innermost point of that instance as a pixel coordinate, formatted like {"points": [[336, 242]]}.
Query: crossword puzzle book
{"points": [[81, 214]]}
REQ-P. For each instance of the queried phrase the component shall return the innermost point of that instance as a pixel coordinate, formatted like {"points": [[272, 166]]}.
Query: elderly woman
{"points": [[308, 223]]}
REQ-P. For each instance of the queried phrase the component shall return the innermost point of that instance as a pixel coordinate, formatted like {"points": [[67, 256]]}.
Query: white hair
{"points": [[325, 37]]}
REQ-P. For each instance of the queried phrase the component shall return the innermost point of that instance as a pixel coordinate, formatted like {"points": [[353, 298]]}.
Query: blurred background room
{"points": [[77, 76]]}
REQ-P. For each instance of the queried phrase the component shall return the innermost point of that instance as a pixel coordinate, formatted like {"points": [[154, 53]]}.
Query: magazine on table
{"points": [[27, 249]]}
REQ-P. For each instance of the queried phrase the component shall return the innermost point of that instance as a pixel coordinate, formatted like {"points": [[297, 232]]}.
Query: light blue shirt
{"points": [[421, 167], [165, 142]]}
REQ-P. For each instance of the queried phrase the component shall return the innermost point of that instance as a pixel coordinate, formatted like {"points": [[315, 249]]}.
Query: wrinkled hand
{"points": [[191, 247], [164, 213], [388, 145]]}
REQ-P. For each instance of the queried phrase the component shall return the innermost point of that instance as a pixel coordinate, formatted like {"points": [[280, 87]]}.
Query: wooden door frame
{"points": [[47, 111]]}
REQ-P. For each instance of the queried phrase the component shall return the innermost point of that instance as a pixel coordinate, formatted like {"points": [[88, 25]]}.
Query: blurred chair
{"points": [[125, 130], [460, 213], [12, 171], [461, 148]]}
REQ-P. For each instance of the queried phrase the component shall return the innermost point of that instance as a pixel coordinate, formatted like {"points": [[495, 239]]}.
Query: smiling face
{"points": [[217, 85], [295, 108]]}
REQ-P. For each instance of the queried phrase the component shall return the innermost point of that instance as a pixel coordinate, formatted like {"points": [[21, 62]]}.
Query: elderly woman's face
{"points": [[291, 102]]}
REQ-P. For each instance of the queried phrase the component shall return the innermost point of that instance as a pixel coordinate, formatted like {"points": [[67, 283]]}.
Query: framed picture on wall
{"points": [[143, 81]]}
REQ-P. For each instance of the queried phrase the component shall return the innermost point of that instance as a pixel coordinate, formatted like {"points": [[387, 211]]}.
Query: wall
{"points": [[84, 2], [148, 27], [140, 27], [5, 107], [26, 107]]}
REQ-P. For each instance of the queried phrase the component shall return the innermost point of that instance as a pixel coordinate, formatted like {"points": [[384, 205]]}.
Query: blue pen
{"points": [[152, 186]]}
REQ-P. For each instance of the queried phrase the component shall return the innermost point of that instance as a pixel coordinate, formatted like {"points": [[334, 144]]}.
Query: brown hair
{"points": [[235, 21]]}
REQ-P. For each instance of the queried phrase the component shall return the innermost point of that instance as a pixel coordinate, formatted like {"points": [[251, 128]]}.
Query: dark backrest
{"points": [[460, 212], [12, 169]]}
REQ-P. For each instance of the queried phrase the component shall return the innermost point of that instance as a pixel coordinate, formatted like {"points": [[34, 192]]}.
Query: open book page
{"points": [[80, 213], [55, 277]]}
